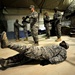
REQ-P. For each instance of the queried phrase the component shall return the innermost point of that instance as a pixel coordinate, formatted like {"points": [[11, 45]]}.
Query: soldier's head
{"points": [[32, 8], [64, 44], [17, 20], [23, 18], [46, 13], [56, 9]]}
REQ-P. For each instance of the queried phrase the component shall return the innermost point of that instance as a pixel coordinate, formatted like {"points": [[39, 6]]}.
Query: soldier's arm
{"points": [[21, 25], [15, 24], [47, 20], [33, 15], [56, 59], [59, 15], [61, 56], [26, 20]]}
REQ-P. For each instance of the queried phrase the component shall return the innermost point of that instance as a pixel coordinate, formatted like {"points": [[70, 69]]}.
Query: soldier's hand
{"points": [[27, 16]]}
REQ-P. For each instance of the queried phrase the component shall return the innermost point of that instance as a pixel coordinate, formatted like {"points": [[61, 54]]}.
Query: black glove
{"points": [[27, 16]]}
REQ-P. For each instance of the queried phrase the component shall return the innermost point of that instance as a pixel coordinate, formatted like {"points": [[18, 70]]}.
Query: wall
{"points": [[13, 14], [11, 19]]}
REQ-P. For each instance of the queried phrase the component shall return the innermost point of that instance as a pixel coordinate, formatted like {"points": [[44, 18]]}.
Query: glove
{"points": [[27, 16]]}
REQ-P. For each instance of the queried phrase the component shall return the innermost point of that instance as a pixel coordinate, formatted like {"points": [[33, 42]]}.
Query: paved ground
{"points": [[65, 68]]}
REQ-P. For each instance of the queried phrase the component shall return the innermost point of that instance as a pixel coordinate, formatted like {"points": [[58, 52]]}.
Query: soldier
{"points": [[16, 30], [24, 22], [50, 54], [34, 24], [57, 22], [47, 24]]}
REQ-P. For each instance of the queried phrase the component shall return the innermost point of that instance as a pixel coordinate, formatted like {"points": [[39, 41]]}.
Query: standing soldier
{"points": [[57, 22], [47, 24], [16, 30], [24, 22], [33, 24]]}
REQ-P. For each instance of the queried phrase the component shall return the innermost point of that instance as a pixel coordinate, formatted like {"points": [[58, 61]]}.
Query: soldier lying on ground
{"points": [[51, 53]]}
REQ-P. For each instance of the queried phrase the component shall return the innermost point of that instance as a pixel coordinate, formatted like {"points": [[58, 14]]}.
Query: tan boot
{"points": [[57, 40], [26, 39], [36, 44], [17, 40]]}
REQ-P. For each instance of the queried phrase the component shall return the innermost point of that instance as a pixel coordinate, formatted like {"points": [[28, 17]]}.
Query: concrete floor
{"points": [[65, 68]]}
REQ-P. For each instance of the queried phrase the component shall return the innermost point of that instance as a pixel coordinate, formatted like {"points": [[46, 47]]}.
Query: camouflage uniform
{"points": [[16, 29], [47, 25], [25, 28], [34, 25], [40, 53], [57, 22], [53, 54]]}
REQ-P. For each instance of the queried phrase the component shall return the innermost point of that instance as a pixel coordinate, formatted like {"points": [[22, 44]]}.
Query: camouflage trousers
{"points": [[16, 31], [58, 30], [25, 32], [34, 32], [48, 28]]}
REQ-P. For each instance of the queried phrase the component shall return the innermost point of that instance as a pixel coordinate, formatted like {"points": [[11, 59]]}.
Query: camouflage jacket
{"points": [[52, 53], [47, 22], [57, 17], [33, 18]]}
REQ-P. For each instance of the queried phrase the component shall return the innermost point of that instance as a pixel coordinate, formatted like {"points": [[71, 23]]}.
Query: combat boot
{"points": [[17, 40], [26, 39], [47, 38], [36, 44], [58, 39]]}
